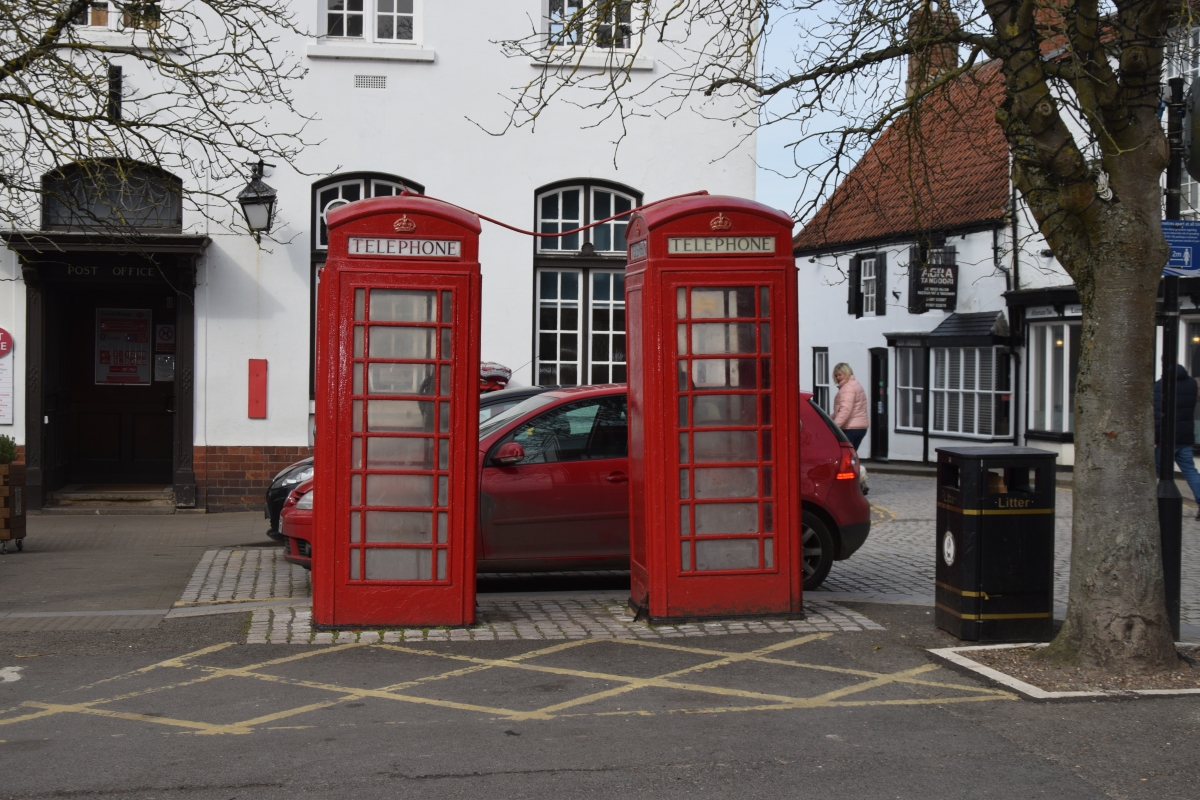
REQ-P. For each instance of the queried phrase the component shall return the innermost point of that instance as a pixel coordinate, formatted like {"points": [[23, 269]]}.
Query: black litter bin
{"points": [[995, 547]]}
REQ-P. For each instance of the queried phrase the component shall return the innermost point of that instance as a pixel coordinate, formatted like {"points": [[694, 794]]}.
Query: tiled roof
{"points": [[981, 323], [942, 168]]}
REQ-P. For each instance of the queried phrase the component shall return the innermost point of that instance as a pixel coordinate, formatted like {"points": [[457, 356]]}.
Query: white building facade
{"points": [[406, 95]]}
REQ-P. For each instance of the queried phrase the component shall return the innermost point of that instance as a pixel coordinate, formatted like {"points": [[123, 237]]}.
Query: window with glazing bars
{"points": [[400, 434], [725, 456], [344, 18], [821, 377], [910, 388], [972, 394], [394, 20]]}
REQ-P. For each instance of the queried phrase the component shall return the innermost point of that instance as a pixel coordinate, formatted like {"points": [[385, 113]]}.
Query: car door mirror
{"points": [[509, 454]]}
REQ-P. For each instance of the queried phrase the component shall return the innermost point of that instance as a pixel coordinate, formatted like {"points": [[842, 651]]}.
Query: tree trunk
{"points": [[1116, 618]]}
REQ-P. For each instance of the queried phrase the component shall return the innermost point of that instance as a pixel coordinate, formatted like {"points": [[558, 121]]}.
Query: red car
{"points": [[295, 523], [563, 502]]}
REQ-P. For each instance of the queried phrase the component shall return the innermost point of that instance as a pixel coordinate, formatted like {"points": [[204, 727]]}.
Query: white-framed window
{"points": [[335, 195], [972, 392], [394, 20], [580, 326], [866, 268], [1053, 365], [910, 388], [821, 377], [569, 207], [612, 26], [559, 356], [135, 14], [344, 18]]}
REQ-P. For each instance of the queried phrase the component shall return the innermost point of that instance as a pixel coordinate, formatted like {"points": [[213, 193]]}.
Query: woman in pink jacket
{"points": [[850, 405]]}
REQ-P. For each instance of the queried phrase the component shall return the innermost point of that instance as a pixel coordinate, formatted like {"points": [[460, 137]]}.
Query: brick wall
{"points": [[236, 478]]}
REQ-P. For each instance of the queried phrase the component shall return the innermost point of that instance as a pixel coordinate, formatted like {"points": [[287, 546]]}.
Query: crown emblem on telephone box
{"points": [[404, 225], [720, 222]]}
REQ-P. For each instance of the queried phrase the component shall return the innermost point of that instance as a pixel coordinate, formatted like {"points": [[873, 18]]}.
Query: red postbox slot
{"points": [[397, 404]]}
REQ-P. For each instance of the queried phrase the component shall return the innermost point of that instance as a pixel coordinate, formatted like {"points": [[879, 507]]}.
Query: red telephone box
{"points": [[714, 450], [397, 416]]}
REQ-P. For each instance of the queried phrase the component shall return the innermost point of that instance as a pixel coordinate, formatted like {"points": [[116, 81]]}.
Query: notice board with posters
{"points": [[123, 346]]}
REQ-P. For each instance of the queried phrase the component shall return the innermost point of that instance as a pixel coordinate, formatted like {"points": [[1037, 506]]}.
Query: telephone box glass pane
{"points": [[685, 520], [681, 340], [358, 341], [354, 564], [722, 303], [443, 454], [394, 453], [447, 306], [356, 453], [709, 410], [712, 338], [411, 527], [443, 489], [683, 484], [715, 482], [358, 378], [400, 416], [400, 378], [724, 373], [441, 562], [394, 564], [681, 303], [399, 490], [683, 448], [717, 446], [402, 305], [715, 518], [768, 553], [444, 381], [356, 490], [416, 343], [764, 340], [442, 527], [355, 526], [446, 352], [443, 417], [718, 554], [764, 301], [360, 296], [685, 553]]}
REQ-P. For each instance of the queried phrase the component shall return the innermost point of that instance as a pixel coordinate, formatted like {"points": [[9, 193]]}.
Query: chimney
{"points": [[931, 61]]}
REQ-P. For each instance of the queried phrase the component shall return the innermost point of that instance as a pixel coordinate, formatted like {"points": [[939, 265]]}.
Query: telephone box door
{"points": [[397, 407], [714, 407]]}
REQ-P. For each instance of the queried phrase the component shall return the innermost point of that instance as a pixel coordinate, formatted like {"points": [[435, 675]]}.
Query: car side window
{"points": [[610, 434], [559, 435]]}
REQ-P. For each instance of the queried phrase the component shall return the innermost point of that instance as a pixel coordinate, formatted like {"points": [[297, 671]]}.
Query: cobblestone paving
{"points": [[899, 557], [575, 618], [245, 575]]}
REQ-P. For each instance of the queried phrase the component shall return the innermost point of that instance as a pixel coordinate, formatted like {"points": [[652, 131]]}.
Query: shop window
{"points": [[972, 392], [910, 388], [1053, 364], [579, 329], [607, 25], [821, 377]]}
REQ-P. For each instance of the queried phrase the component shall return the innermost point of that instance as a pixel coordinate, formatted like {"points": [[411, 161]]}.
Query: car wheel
{"points": [[816, 544]]}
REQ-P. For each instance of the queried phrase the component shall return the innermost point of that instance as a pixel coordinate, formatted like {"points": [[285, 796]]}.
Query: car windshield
{"points": [[493, 424]]}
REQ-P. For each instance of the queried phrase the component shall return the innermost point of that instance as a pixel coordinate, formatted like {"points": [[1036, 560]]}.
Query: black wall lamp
{"points": [[258, 201]]}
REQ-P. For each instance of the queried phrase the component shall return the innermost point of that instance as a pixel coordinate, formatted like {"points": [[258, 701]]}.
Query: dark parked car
{"points": [[490, 404], [565, 504]]}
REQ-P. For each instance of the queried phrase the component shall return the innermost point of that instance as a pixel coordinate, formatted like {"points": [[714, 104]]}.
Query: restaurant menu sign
{"points": [[936, 287], [123, 345]]}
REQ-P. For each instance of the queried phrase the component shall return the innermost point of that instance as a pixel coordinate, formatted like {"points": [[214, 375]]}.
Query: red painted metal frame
{"points": [[342, 596], [661, 583]]}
